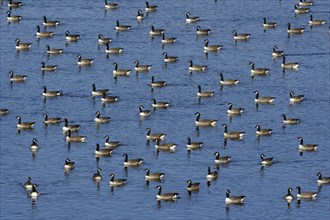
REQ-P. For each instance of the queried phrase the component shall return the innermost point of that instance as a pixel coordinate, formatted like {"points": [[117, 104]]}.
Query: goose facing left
{"points": [[24, 125], [84, 61], [53, 50], [234, 199], [305, 195], [48, 120], [99, 119], [13, 17], [116, 182], [315, 21], [110, 5], [204, 122], [269, 24], [263, 132], [221, 160], [201, 93], [192, 187], [102, 152], [43, 33], [34, 145], [306, 147], [266, 160], [264, 99], [46, 93], [71, 127], [22, 46], [76, 138], [17, 78], [144, 112], [98, 92], [321, 179], [153, 176], [159, 104], [48, 68], [232, 134], [132, 162], [68, 164], [171, 196], [47, 23], [120, 27], [14, 4]]}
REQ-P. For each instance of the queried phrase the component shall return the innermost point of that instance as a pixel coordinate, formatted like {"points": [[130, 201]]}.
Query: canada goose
{"points": [[113, 50], [322, 180], [68, 164], [109, 99], [150, 8], [193, 145], [156, 104], [258, 71], [289, 197], [109, 5], [141, 68], [99, 119], [116, 182], [154, 83], [155, 31], [242, 36], [13, 17], [166, 196], [211, 175], [200, 31], [34, 145], [144, 112], [164, 146], [294, 30], [34, 192], [132, 162], [3, 111], [17, 78], [269, 24], [204, 93], [13, 4], [305, 3], [262, 132], [208, 48], [306, 147], [265, 99], [266, 161], [77, 138], [289, 65], [48, 68], [191, 19], [295, 98], [110, 144], [120, 72], [28, 184], [98, 92], [169, 59], [277, 52], [47, 93], [104, 40], [72, 127], [24, 125], [44, 33], [169, 40], [153, 176], [53, 50], [193, 67], [234, 199], [219, 160], [48, 120], [232, 134], [227, 81], [290, 120], [300, 10], [71, 37], [22, 46], [234, 111], [154, 136], [305, 195], [315, 22], [192, 187], [97, 176], [139, 15], [122, 27], [204, 122], [85, 61], [50, 23], [102, 152]]}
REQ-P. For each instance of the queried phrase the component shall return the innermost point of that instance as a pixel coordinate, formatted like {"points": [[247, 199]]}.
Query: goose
{"points": [[172, 196], [120, 72], [204, 93], [109, 99], [242, 36], [290, 120], [110, 144], [263, 132], [234, 111], [72, 127], [305, 195], [122, 27], [193, 145], [34, 192], [232, 134], [164, 146], [154, 83], [71, 37], [153, 176], [68, 164], [227, 81], [322, 180], [139, 15], [169, 59], [154, 136], [315, 22], [109, 5], [141, 68], [34, 145], [104, 40], [13, 4], [22, 46], [97, 176], [99, 119], [50, 23], [44, 33], [191, 19], [24, 125], [208, 48], [265, 99], [48, 68], [204, 122], [150, 8], [306, 147], [28, 184], [234, 199], [277, 52], [299, 10], [85, 61], [13, 17], [132, 162], [46, 93], [201, 32], [220, 160], [113, 50], [17, 78], [98, 92], [193, 67], [156, 104], [266, 161], [305, 3], [155, 31], [258, 71], [102, 152], [144, 112], [53, 50], [77, 138], [192, 187], [269, 24], [293, 66], [211, 175], [294, 30], [3, 111], [289, 197], [169, 40], [116, 182], [295, 98], [48, 120]]}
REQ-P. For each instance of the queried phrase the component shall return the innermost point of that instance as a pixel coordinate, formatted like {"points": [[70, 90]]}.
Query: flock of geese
{"points": [[301, 7]]}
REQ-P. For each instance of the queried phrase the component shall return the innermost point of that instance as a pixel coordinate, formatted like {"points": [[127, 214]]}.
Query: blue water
{"points": [[76, 196]]}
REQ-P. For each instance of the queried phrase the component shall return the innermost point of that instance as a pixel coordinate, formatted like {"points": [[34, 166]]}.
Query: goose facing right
{"points": [[321, 179], [234, 199], [305, 195], [289, 197], [306, 147], [171, 196], [204, 122], [28, 184]]}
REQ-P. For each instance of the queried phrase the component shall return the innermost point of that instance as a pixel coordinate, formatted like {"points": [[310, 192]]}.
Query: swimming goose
{"points": [[269, 24], [154, 83], [102, 152], [164, 146], [116, 182], [132, 162], [300, 10], [50, 23], [294, 30], [168, 40], [305, 195], [166, 196], [211, 175], [227, 81], [104, 40], [85, 61], [234, 111], [109, 99], [169, 59], [153, 176], [68, 164], [150, 8], [44, 33], [315, 22], [232, 134], [71, 37], [48, 68], [258, 71], [24, 125], [113, 50], [289, 65], [144, 112], [110, 144], [295, 98], [13, 17], [208, 48], [47, 93], [72, 127], [262, 132], [290, 120], [120, 72], [192, 187], [122, 27], [155, 31], [141, 68], [306, 147], [191, 19], [305, 3], [17, 78], [204, 122], [219, 160], [234, 199], [99, 119], [193, 145], [97, 176], [53, 50], [204, 93], [28, 184], [34, 192], [322, 180], [156, 104], [13, 4], [34, 146], [289, 197], [200, 31], [277, 52], [3, 111], [48, 120], [77, 138], [109, 5], [22, 46], [139, 15], [154, 136], [98, 92], [193, 67], [266, 161], [242, 36], [265, 99]]}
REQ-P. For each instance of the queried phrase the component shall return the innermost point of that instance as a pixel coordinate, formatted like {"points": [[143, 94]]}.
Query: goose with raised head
{"points": [[193, 67], [154, 83], [209, 48], [290, 120], [53, 50], [110, 144], [14, 4], [150, 8], [113, 50], [171, 196], [227, 81], [277, 53], [232, 134], [76, 138], [204, 122], [289, 197], [269, 24], [47, 93], [71, 127], [201, 93], [13, 17], [110, 5], [234, 111], [221, 160], [296, 98], [193, 145], [120, 72], [104, 40], [47, 68], [68, 164], [305, 195], [109, 99], [132, 162], [34, 145], [120, 27], [294, 30], [28, 184], [164, 146], [168, 40], [300, 10], [71, 37], [211, 175], [17, 78], [321, 179], [154, 136], [192, 187], [98, 92], [293, 66], [153, 176], [306, 147], [84, 61], [97, 176], [241, 36], [47, 23], [201, 32], [263, 132], [140, 15], [48, 120], [191, 19], [24, 125], [266, 160], [99, 119], [234, 199], [315, 21], [264, 99], [116, 182], [169, 59], [159, 104], [144, 112], [34, 192], [141, 68], [102, 152], [43, 33], [258, 71], [22, 46], [156, 31]]}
